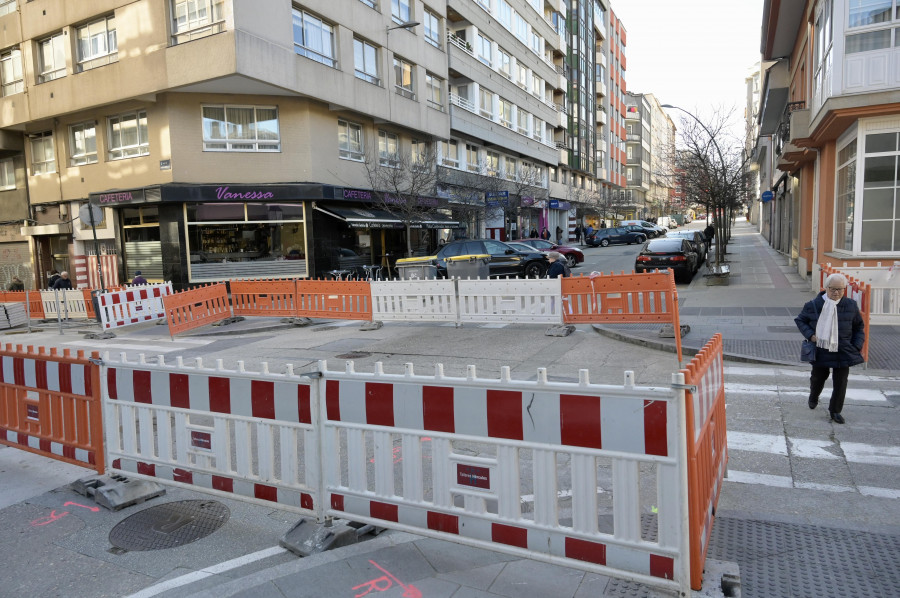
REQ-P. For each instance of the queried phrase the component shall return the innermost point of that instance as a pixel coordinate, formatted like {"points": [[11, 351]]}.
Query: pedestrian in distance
{"points": [[558, 266], [138, 278], [559, 233], [54, 276], [62, 283], [533, 234], [834, 323], [709, 232], [16, 284], [578, 233], [545, 234]]}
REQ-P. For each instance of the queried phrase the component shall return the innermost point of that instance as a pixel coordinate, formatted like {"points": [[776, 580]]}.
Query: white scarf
{"points": [[827, 326]]}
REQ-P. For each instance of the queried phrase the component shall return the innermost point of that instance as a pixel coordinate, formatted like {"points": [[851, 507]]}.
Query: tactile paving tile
{"points": [[169, 525], [782, 559]]}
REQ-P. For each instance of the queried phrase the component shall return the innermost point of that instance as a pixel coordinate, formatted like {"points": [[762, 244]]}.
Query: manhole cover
{"points": [[169, 525], [353, 355]]}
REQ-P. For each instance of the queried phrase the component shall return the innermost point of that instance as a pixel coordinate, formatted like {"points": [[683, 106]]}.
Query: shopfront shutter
{"points": [[145, 256]]}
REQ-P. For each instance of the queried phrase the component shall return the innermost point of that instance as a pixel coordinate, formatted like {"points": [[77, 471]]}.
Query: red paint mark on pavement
{"points": [[75, 504], [386, 582], [48, 519]]}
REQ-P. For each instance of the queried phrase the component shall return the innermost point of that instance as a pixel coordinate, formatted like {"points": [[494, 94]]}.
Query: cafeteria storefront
{"points": [[192, 234]]}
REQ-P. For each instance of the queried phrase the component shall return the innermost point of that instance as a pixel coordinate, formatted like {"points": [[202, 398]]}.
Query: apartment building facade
{"points": [[232, 138], [831, 116]]}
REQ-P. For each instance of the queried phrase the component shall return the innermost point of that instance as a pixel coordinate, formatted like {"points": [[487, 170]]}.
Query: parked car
{"points": [[505, 261], [697, 239], [573, 255], [650, 229], [620, 234], [663, 254]]}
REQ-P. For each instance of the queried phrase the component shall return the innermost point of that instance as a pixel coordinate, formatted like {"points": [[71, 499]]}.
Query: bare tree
{"points": [[404, 185], [714, 163]]}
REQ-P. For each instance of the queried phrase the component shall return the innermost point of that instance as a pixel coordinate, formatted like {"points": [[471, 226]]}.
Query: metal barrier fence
{"points": [[197, 307], [133, 305], [707, 449], [50, 404], [222, 431], [623, 298]]}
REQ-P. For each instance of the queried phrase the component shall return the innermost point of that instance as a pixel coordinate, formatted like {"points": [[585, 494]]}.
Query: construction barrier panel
{"points": [[272, 298], [49, 405], [68, 304], [883, 282], [197, 307], [510, 300], [443, 457], [622, 299], [334, 299], [707, 448], [234, 433], [133, 305], [33, 300], [424, 300]]}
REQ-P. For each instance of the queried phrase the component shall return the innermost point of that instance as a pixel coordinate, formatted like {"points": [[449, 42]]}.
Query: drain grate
{"points": [[353, 355], [169, 525]]}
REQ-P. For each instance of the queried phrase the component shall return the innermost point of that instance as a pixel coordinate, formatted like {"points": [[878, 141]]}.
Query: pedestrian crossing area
{"points": [[775, 440]]}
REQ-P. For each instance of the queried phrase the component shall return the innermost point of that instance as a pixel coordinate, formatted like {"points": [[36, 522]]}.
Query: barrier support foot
{"points": [[230, 320], [297, 321], [308, 537], [560, 330], [104, 334], [162, 322], [668, 330], [373, 325], [115, 492], [721, 579]]}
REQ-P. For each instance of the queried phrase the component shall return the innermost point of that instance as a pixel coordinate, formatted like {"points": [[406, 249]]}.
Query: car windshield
{"points": [[664, 245]]}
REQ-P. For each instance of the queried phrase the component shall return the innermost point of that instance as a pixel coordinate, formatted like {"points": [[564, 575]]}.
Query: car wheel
{"points": [[641, 239], [604, 243], [535, 270], [571, 261]]}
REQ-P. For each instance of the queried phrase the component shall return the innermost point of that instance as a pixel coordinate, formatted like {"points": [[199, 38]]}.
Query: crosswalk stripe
{"points": [[780, 481], [853, 394], [140, 347], [808, 448]]}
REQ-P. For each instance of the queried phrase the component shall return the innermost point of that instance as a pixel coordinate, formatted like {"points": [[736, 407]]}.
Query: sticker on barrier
{"points": [[133, 305]]}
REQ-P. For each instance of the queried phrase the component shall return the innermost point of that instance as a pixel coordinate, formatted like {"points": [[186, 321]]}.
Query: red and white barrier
{"points": [[133, 305]]}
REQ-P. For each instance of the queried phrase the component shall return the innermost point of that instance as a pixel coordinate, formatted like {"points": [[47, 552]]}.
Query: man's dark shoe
{"points": [[813, 403], [837, 418]]}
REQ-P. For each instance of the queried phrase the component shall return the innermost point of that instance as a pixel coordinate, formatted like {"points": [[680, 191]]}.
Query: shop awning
{"points": [[378, 218]]}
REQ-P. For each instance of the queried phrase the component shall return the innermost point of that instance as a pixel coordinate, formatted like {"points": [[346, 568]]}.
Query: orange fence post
{"points": [[264, 297], [339, 299], [707, 448], [197, 307], [51, 405], [622, 299]]}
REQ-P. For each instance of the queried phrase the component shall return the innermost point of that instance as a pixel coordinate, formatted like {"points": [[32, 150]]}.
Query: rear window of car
{"points": [[665, 245]]}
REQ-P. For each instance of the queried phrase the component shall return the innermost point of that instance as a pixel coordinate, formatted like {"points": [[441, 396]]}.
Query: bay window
{"points": [[193, 19], [240, 129], [313, 38]]}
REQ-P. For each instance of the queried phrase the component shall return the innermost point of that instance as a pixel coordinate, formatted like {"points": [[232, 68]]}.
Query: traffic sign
{"points": [[767, 196], [91, 214]]}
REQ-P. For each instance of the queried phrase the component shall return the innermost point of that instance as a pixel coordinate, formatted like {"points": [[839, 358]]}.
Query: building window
{"points": [[537, 86], [522, 76], [472, 157], [537, 43], [43, 156], [523, 117], [193, 19], [538, 132], [511, 169], [83, 143], [7, 7], [52, 58], [483, 49], [504, 63], [869, 12], [486, 103], [492, 163], [350, 141], [450, 153], [630, 152], [432, 28], [241, 129], [11, 76], [880, 209], [400, 11], [520, 27], [127, 135], [313, 38], [388, 149], [435, 91], [506, 113], [404, 82], [418, 154], [365, 59], [845, 197], [504, 13], [97, 44], [7, 174]]}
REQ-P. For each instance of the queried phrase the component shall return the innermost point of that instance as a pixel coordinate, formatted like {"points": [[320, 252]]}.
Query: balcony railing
{"points": [[460, 43], [784, 126], [462, 103]]}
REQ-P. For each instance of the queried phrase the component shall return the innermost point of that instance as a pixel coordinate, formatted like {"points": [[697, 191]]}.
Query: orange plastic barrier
{"points": [[707, 448], [35, 304], [860, 292], [340, 299], [622, 298], [50, 405], [198, 307], [264, 297]]}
